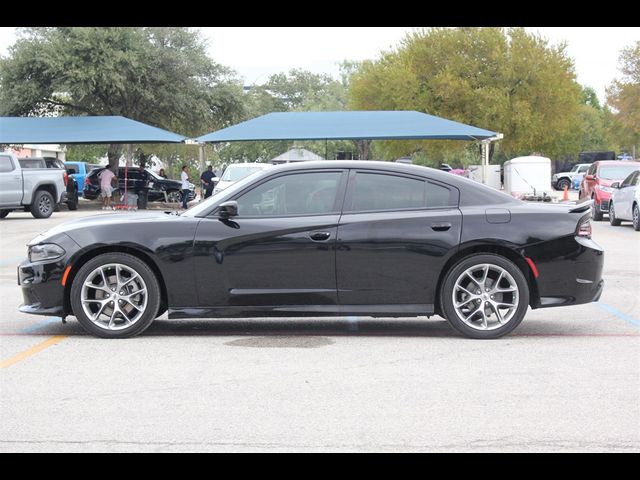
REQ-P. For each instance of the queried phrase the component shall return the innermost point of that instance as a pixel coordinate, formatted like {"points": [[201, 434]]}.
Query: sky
{"points": [[258, 52]]}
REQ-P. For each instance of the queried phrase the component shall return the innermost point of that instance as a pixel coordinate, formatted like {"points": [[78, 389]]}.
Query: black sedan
{"points": [[160, 189], [317, 239]]}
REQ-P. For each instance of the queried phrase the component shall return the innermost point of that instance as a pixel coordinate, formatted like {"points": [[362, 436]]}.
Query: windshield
{"points": [[233, 173], [203, 207], [618, 172]]}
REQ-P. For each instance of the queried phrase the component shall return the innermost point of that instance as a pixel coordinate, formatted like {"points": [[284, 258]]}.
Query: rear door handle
{"points": [[440, 227], [320, 236]]}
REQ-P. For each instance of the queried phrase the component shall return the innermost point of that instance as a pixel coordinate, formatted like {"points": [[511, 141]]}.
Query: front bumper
{"points": [[42, 290]]}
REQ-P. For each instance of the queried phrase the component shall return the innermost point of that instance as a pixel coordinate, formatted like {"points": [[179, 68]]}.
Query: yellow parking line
{"points": [[32, 351]]}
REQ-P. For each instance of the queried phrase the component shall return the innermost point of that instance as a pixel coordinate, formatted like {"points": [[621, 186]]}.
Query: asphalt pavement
{"points": [[567, 379]]}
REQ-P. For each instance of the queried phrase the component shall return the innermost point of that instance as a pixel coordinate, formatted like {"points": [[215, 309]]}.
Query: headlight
{"points": [[606, 189], [45, 251]]}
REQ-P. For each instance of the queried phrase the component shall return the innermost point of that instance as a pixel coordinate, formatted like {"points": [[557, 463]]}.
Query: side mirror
{"points": [[228, 209], [590, 178], [615, 185]]}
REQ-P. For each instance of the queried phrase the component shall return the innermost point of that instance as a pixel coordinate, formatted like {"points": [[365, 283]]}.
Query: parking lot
{"points": [[566, 379]]}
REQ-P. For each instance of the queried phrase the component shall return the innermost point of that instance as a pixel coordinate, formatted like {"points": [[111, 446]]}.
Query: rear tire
{"points": [[475, 305], [73, 203], [564, 182], [113, 278], [43, 204], [636, 218], [4, 213], [612, 217]]}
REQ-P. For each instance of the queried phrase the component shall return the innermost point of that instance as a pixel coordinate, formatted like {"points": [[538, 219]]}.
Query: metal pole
{"points": [[485, 161], [201, 156]]}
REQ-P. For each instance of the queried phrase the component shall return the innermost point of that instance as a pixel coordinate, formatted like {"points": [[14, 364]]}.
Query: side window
{"points": [[592, 170], [583, 168], [72, 169], [438, 196], [6, 165], [376, 191], [296, 194]]}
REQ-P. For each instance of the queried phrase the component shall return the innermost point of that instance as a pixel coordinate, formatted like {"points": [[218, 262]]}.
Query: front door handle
{"points": [[440, 227], [320, 236]]}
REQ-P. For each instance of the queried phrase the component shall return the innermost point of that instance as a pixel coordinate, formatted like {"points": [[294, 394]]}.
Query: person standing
{"points": [[206, 179], [162, 174], [184, 177], [106, 180]]}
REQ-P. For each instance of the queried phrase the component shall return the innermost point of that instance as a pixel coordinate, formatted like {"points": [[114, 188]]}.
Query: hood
{"points": [[95, 221]]}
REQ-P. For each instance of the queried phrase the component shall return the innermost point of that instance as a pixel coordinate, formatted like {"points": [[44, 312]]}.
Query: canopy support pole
{"points": [[201, 156]]}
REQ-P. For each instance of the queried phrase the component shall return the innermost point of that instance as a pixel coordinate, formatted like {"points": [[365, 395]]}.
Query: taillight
{"points": [[584, 229], [66, 178]]}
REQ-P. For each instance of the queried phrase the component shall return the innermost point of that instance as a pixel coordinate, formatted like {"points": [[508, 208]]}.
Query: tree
{"points": [[502, 80], [624, 98], [157, 75]]}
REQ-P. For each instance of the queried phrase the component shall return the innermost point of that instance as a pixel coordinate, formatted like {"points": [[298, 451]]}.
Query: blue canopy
{"points": [[355, 125], [106, 129]]}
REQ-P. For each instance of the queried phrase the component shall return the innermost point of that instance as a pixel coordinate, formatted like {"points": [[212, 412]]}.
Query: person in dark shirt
{"points": [[207, 181]]}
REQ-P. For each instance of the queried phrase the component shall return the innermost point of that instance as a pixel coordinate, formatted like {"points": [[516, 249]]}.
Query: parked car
{"points": [[565, 179], [52, 162], [596, 184], [79, 171], [321, 238], [137, 180], [35, 190], [236, 172], [625, 201]]}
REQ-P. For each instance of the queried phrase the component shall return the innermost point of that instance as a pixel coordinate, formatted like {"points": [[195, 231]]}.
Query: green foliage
{"points": [[157, 75], [503, 80], [85, 153], [624, 97]]}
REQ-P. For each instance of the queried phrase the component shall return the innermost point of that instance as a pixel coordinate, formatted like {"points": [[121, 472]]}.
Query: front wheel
{"points": [[596, 213], [565, 182], [115, 295], [484, 296], [174, 196], [4, 213], [612, 216], [636, 218]]}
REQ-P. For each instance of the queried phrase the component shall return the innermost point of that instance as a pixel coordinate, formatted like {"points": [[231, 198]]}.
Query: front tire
{"points": [[564, 182], [43, 204], [115, 295], [484, 296], [612, 217], [636, 218], [596, 213], [174, 196], [4, 213]]}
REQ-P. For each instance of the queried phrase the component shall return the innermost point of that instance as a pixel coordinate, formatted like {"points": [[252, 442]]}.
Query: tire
{"points": [[73, 203], [636, 217], [563, 182], [106, 322], [4, 213], [596, 213], [43, 204], [174, 196], [501, 274], [612, 217]]}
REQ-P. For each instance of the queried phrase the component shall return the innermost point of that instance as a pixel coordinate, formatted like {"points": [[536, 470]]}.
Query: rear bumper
{"points": [[570, 272]]}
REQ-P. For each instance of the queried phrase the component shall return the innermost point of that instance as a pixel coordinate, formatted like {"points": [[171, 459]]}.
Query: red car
{"points": [[596, 184]]}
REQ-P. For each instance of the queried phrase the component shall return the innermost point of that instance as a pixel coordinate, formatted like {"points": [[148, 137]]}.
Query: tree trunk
{"points": [[364, 148], [113, 154]]}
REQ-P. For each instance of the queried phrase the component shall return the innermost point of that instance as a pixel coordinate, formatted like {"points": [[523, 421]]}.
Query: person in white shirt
{"points": [[184, 177], [106, 180]]}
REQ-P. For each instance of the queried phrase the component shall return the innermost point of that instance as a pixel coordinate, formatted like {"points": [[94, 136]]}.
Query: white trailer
{"points": [[527, 177], [493, 175]]}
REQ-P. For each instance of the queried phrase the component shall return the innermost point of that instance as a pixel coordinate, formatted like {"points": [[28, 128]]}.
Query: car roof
{"points": [[616, 162]]}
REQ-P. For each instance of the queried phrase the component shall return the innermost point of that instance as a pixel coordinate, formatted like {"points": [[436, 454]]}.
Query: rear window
{"points": [[233, 174], [6, 165], [31, 163]]}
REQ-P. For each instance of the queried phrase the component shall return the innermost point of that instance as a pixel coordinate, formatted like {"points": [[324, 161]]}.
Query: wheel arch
{"points": [[92, 253], [501, 250]]}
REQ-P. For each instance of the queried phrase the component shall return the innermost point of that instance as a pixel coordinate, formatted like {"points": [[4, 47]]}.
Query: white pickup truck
{"points": [[35, 190]]}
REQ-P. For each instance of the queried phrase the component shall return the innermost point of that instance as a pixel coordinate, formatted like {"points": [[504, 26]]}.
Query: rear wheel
{"points": [[4, 213], [484, 296], [72, 203], [596, 213], [612, 216], [115, 295], [636, 218], [43, 204]]}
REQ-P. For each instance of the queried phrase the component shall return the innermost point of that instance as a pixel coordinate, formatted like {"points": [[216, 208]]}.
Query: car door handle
{"points": [[320, 236], [440, 227]]}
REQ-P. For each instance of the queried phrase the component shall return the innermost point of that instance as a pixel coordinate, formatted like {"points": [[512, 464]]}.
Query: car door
{"points": [[625, 195], [279, 249], [10, 182], [394, 237]]}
